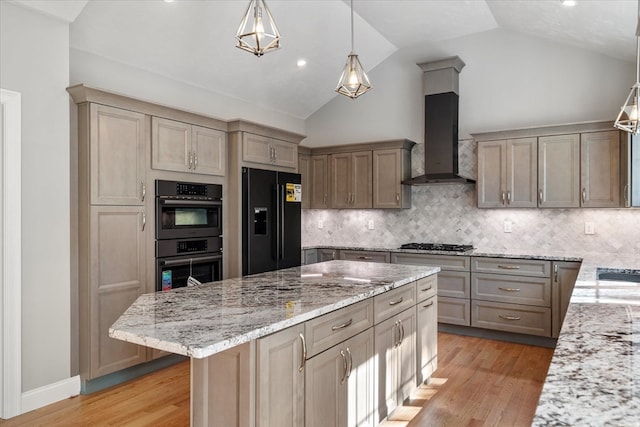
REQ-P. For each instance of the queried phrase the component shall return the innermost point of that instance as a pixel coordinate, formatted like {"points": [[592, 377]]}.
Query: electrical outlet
{"points": [[320, 224], [370, 224], [589, 228], [508, 226]]}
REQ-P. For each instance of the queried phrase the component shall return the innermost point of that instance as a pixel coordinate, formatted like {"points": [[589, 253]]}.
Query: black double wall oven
{"points": [[188, 233]]}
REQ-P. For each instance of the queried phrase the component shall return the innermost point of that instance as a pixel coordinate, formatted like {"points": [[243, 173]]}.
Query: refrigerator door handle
{"points": [[282, 192]]}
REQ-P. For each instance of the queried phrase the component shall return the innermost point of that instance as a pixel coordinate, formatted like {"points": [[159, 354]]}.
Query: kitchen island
{"points": [[224, 327]]}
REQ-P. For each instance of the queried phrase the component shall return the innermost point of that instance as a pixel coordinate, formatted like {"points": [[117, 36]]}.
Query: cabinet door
{"points": [[285, 154], [116, 156], [600, 169], [339, 384], [340, 180], [117, 255], [492, 174], [171, 145], [387, 337], [280, 379], [522, 173], [319, 182], [361, 180], [387, 176], [406, 355], [208, 151], [559, 171], [304, 169], [328, 254], [427, 339], [564, 278], [256, 148]]}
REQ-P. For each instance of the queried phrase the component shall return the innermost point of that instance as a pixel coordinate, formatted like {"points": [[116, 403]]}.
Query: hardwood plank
{"points": [[479, 382]]}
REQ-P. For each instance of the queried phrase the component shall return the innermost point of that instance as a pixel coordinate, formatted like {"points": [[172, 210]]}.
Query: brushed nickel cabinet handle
{"points": [[304, 353], [365, 257], [584, 195], [540, 196], [509, 289], [396, 302], [344, 325], [509, 267], [144, 220], [195, 161], [144, 191], [555, 273], [401, 326], [427, 289], [626, 195], [333, 255], [396, 334], [503, 197], [324, 200], [509, 317], [397, 197], [429, 304], [508, 197], [344, 366], [350, 362]]}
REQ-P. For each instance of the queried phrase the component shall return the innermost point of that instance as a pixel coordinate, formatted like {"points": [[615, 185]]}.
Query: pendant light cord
{"points": [[352, 49], [637, 46]]}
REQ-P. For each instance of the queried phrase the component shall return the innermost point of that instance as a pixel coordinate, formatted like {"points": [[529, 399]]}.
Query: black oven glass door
{"points": [[184, 219], [173, 272]]}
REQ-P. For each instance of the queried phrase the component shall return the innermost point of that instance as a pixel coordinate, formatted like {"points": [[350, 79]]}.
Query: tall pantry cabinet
{"points": [[112, 189]]}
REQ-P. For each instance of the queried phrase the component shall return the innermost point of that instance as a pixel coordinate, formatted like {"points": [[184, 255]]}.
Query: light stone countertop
{"points": [[204, 320], [594, 376]]}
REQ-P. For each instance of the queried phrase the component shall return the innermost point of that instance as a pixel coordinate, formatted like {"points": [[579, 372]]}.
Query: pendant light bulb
{"points": [[353, 80], [258, 33]]}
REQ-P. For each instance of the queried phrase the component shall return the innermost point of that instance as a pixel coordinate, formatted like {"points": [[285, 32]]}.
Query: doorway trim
{"points": [[11, 280]]}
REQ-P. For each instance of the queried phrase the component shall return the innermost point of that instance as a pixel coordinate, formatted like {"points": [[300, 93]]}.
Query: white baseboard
{"points": [[51, 393]]}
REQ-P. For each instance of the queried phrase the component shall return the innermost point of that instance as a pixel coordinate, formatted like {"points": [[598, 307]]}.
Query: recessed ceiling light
{"points": [[569, 3], [301, 63], [169, 1]]}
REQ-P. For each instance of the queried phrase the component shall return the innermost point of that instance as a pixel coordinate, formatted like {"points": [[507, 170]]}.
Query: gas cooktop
{"points": [[437, 247]]}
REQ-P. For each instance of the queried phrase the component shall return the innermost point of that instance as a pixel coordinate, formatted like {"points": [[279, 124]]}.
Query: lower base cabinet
{"points": [[426, 339], [339, 384]]}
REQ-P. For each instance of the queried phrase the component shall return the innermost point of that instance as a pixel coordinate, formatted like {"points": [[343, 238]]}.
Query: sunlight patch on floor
{"points": [[402, 416]]}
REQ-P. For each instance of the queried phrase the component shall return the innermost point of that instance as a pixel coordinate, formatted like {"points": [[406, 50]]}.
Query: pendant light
{"points": [[627, 119], [353, 81], [258, 33]]}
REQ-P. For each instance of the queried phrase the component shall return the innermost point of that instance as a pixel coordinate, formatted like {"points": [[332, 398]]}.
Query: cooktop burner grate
{"points": [[437, 247]]}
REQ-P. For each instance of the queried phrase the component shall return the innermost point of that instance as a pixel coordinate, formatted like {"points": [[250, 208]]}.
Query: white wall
{"points": [[34, 60], [102, 73], [509, 81]]}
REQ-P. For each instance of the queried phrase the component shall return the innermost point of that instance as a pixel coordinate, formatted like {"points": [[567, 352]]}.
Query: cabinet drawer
{"points": [[369, 256], [426, 287], [454, 284], [512, 289], [455, 311], [393, 302], [332, 328], [516, 267], [511, 318], [445, 262]]}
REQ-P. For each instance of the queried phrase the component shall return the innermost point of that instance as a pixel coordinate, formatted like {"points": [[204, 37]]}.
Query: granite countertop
{"points": [[204, 320], [594, 376]]}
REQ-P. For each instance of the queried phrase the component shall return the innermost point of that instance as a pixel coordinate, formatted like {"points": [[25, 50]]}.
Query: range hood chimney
{"points": [[441, 123]]}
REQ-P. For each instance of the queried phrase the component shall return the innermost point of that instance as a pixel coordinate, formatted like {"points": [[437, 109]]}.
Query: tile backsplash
{"points": [[447, 213]]}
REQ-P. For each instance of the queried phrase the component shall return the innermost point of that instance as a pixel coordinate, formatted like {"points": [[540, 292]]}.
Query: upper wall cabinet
{"points": [[319, 182], [269, 151], [181, 147], [507, 173], [350, 178], [577, 166], [390, 168], [117, 145]]}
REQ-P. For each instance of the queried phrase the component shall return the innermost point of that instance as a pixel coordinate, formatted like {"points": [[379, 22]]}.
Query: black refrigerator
{"points": [[271, 204]]}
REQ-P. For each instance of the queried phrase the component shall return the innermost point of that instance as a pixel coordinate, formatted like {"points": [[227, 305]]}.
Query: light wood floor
{"points": [[479, 382]]}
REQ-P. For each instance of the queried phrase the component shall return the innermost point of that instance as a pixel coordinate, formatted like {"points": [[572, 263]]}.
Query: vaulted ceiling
{"points": [[192, 41]]}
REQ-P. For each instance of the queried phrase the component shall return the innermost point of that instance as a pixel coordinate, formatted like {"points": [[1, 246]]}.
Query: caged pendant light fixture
{"points": [[627, 119], [353, 81], [258, 33]]}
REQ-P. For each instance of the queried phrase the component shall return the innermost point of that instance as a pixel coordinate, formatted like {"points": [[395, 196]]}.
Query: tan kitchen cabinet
{"points": [[319, 181], [304, 169], [507, 173], [280, 378], [269, 151], [426, 328], [563, 280], [115, 160], [559, 171], [339, 384], [600, 169], [390, 168], [350, 178], [182, 147], [328, 254]]}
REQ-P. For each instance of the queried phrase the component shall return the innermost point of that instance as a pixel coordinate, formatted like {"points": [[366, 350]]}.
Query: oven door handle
{"points": [[191, 260], [191, 202]]}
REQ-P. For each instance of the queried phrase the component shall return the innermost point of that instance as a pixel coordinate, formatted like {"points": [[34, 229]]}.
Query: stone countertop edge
{"points": [[194, 330]]}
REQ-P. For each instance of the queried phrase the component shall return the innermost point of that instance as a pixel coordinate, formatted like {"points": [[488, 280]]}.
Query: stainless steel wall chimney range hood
{"points": [[441, 123]]}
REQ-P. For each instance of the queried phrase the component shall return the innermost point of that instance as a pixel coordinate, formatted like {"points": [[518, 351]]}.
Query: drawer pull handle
{"points": [[344, 325], [364, 257], [427, 289], [509, 289], [429, 304], [509, 317], [396, 302], [509, 267]]}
